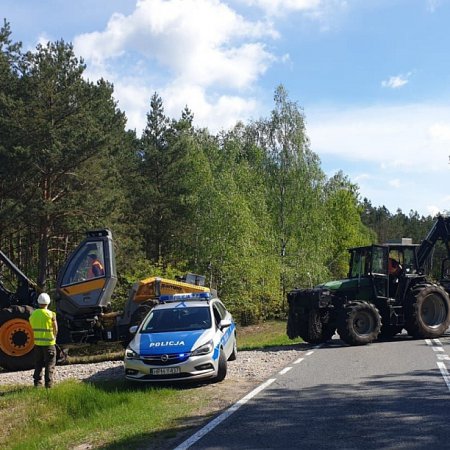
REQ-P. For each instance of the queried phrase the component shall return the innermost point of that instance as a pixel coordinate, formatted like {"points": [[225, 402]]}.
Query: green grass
{"points": [[267, 334], [112, 415]]}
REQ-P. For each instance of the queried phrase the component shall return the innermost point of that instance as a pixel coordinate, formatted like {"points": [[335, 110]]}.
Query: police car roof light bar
{"points": [[184, 297]]}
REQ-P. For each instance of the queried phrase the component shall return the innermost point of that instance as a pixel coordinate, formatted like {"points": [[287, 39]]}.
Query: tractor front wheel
{"points": [[359, 323], [313, 329]]}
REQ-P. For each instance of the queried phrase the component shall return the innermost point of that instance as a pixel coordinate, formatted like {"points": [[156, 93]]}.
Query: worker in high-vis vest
{"points": [[45, 328]]}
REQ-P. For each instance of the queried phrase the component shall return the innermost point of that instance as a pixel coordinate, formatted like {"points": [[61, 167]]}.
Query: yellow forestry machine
{"points": [[83, 301]]}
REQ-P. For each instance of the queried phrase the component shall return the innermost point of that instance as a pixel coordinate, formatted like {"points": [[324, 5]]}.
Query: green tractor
{"points": [[386, 291]]}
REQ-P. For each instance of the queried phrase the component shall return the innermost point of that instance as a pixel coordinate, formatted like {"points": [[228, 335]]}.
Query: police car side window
{"points": [[222, 309], [217, 315]]}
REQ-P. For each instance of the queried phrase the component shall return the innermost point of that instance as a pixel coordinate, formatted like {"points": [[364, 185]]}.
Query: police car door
{"points": [[220, 313]]}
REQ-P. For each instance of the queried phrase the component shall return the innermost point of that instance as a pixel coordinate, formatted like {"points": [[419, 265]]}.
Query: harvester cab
{"points": [[84, 288]]}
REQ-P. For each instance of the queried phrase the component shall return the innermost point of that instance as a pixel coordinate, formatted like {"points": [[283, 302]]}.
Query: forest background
{"points": [[249, 207]]}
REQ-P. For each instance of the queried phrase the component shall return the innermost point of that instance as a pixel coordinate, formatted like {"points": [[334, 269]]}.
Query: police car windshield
{"points": [[177, 319]]}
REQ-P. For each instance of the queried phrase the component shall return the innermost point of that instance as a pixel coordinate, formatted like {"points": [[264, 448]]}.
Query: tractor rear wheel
{"points": [[312, 328], [16, 338], [428, 312], [359, 323]]}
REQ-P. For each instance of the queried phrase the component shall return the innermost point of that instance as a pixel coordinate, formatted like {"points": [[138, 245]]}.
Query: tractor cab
{"points": [[382, 267]]}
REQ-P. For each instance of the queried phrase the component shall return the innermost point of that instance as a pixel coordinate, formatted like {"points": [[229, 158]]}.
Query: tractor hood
{"points": [[351, 287]]}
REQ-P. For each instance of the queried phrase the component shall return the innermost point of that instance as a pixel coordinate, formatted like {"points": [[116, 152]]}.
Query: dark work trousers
{"points": [[44, 358]]}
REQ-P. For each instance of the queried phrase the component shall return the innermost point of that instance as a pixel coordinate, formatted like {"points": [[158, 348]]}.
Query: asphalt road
{"points": [[387, 395]]}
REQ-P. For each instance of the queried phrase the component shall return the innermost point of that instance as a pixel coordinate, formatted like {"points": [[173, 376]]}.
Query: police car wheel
{"points": [[222, 369], [233, 355]]}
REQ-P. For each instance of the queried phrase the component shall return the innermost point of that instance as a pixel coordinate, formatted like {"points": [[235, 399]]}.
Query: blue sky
{"points": [[372, 76]]}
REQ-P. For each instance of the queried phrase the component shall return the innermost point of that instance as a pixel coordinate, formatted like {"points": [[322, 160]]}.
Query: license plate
{"points": [[165, 371]]}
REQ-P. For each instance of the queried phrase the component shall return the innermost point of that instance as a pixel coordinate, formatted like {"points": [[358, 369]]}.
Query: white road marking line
{"points": [[437, 349], [444, 373], [443, 357], [428, 341], [232, 409], [437, 341]]}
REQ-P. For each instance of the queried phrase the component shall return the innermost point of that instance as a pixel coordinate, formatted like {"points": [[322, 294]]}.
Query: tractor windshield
{"points": [[366, 261], [405, 257], [360, 262]]}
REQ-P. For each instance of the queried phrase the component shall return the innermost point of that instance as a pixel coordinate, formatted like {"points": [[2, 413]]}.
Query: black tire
{"points": [[428, 312], [359, 323], [292, 325], [313, 329], [16, 338], [136, 318], [233, 355], [222, 369], [139, 315]]}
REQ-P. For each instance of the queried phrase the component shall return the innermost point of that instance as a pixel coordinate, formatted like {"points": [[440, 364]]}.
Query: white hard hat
{"points": [[44, 299]]}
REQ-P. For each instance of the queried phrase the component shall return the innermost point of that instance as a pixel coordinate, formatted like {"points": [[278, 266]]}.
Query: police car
{"points": [[184, 337]]}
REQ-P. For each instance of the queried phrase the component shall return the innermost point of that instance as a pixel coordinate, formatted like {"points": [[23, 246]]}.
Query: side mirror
{"points": [[225, 323], [133, 329]]}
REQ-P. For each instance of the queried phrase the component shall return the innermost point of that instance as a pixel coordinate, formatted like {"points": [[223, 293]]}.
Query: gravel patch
{"points": [[254, 366]]}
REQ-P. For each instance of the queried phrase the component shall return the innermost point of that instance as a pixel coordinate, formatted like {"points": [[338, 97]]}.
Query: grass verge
{"points": [[111, 415], [266, 334]]}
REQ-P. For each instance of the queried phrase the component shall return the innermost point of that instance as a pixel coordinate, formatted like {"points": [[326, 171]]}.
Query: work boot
{"points": [[37, 384]]}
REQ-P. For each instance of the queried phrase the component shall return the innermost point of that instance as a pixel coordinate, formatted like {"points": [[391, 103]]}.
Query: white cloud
{"points": [[134, 98], [276, 7], [411, 137], [433, 5], [404, 148], [199, 53], [218, 111], [323, 12], [396, 81], [440, 132], [43, 39], [201, 40]]}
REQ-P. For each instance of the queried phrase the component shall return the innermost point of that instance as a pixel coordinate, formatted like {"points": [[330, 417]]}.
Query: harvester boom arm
{"points": [[440, 230]]}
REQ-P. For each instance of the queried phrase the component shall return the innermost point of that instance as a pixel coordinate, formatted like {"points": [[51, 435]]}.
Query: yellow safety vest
{"points": [[42, 323]]}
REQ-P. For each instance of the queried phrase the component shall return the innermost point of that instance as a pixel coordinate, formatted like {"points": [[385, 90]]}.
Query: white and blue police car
{"points": [[184, 337]]}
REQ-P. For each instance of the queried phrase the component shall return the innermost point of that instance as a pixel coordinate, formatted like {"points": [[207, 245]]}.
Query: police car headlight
{"points": [[131, 354], [204, 349]]}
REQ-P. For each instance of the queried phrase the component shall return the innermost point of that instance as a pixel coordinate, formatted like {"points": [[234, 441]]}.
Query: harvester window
{"points": [[84, 266]]}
